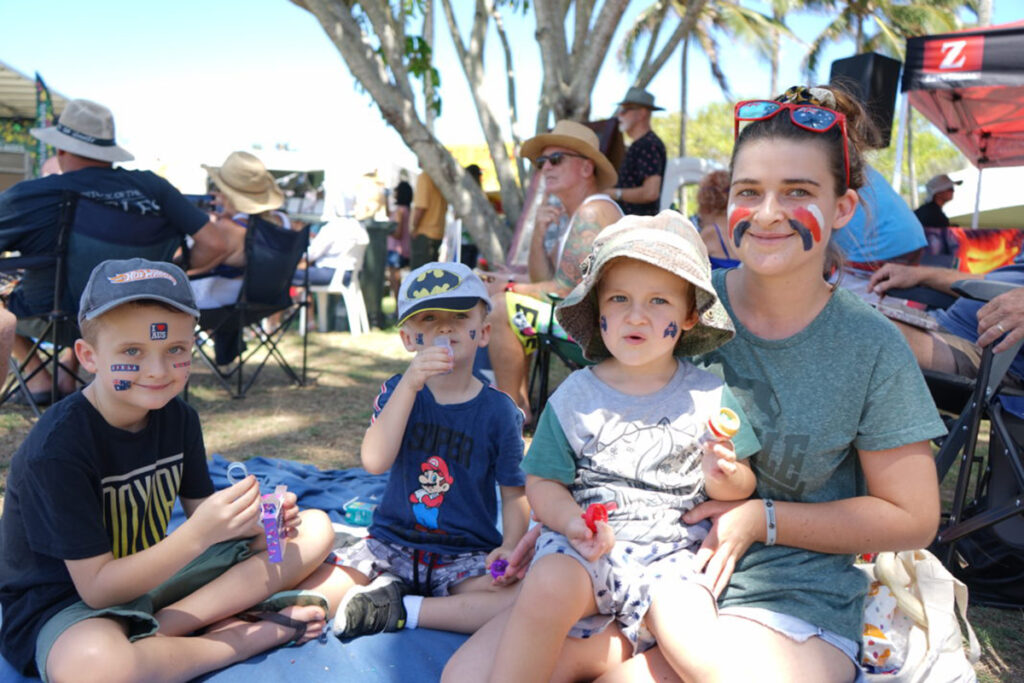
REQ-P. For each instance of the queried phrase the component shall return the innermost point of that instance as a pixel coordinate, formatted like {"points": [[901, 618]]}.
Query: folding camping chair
{"points": [[996, 505], [272, 254], [550, 344], [89, 233]]}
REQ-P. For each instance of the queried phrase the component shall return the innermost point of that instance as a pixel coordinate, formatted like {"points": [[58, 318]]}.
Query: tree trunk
{"points": [[649, 69], [569, 76], [513, 109], [428, 84], [472, 59], [396, 105]]}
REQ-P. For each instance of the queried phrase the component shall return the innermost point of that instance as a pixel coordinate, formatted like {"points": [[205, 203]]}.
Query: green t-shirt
{"points": [[847, 381]]}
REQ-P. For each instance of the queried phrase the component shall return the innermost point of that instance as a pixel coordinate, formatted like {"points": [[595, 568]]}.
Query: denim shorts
{"points": [[137, 615], [799, 631]]}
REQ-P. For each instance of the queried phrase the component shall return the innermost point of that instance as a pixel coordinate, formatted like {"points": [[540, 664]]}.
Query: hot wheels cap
{"points": [[440, 287], [116, 282]]}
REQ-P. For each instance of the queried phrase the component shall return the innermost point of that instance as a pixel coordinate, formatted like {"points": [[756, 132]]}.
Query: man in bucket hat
{"points": [[640, 175], [574, 170], [30, 212]]}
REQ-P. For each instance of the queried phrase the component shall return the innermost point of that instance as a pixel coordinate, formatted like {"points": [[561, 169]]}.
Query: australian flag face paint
{"points": [[122, 385], [739, 222], [807, 223]]}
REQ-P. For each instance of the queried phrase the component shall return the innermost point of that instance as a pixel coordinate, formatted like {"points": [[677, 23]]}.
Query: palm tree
{"points": [[882, 26], [707, 23]]}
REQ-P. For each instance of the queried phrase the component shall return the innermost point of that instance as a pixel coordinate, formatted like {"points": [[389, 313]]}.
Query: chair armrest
{"points": [[982, 290]]}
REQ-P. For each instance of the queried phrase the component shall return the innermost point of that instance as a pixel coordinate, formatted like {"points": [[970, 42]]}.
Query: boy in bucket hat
{"points": [[88, 569], [628, 432], [445, 438]]}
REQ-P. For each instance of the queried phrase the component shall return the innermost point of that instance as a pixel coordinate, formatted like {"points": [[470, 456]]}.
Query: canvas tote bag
{"points": [[911, 633]]}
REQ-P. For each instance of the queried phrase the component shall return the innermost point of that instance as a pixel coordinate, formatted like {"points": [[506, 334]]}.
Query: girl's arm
{"points": [[900, 512]]}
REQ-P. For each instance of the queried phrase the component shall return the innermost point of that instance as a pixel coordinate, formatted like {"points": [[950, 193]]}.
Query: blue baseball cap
{"points": [[440, 287]]}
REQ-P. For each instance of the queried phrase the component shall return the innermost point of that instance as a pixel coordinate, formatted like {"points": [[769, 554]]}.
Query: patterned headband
{"points": [[819, 97]]}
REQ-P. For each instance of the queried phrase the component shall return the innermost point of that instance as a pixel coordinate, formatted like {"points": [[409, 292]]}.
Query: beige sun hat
{"points": [[667, 241], [247, 183], [578, 138], [85, 128]]}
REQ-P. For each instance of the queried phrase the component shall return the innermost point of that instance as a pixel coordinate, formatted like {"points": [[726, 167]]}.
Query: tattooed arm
{"points": [[588, 220]]}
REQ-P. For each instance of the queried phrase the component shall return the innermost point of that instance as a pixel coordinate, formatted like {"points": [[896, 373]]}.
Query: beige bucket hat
{"points": [[667, 241], [578, 138], [85, 128], [246, 182]]}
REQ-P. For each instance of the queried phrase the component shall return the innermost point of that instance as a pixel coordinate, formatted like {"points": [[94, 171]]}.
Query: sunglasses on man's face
{"points": [[555, 158], [807, 116]]}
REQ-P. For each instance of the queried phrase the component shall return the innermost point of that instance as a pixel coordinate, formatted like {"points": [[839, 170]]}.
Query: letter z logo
{"points": [[957, 54]]}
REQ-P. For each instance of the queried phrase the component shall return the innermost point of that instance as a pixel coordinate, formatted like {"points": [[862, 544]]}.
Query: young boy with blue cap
{"points": [[446, 438]]}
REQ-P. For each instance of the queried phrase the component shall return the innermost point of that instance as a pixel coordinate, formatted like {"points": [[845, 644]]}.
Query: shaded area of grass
{"points": [[323, 424]]}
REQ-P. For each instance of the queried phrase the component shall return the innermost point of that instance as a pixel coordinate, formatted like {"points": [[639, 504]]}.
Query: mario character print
{"points": [[435, 480]]}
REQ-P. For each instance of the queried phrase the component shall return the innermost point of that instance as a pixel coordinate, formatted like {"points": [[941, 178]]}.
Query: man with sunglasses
{"points": [[574, 170], [640, 175]]}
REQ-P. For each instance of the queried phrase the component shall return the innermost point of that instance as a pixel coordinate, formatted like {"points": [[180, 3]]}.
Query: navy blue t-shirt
{"points": [[78, 488], [440, 494], [30, 218], [644, 158]]}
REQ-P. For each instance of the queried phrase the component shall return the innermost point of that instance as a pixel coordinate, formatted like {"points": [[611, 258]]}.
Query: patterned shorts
{"points": [[426, 573], [622, 582]]}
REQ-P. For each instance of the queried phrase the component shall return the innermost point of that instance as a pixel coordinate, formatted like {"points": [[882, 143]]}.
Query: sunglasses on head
{"points": [[807, 116], [555, 158]]}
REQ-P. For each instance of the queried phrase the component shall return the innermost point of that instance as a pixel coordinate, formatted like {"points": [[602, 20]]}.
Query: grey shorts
{"points": [[426, 573], [622, 582], [137, 615], [798, 630]]}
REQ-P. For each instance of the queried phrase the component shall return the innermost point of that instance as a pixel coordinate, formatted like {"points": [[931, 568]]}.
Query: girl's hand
{"points": [[734, 527], [590, 545]]}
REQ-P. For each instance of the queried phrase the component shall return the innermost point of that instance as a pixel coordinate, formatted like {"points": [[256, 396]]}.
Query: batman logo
{"points": [[433, 281]]}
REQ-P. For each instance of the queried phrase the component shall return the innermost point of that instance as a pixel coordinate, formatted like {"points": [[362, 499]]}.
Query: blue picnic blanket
{"points": [[418, 655]]}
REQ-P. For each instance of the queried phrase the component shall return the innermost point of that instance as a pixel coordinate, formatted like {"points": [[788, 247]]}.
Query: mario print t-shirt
{"points": [[441, 493]]}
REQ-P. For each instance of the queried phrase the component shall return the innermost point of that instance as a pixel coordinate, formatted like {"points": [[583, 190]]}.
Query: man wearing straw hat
{"points": [[574, 170], [30, 211], [639, 188]]}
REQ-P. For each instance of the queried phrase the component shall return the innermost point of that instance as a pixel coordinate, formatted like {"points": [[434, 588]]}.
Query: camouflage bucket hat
{"points": [[667, 241]]}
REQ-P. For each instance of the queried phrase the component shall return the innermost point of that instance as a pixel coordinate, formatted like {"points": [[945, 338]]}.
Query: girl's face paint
{"points": [[739, 222], [604, 324], [122, 385], [807, 222], [124, 367], [671, 331], [183, 364], [419, 338]]}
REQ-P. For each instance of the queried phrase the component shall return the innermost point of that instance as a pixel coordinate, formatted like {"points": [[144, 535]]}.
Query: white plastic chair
{"points": [[351, 294], [683, 171]]}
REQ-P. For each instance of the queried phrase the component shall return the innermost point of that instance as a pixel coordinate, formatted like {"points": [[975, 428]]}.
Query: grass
{"points": [[323, 424]]}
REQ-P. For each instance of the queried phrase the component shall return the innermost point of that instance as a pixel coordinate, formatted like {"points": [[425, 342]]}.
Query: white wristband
{"points": [[769, 518]]}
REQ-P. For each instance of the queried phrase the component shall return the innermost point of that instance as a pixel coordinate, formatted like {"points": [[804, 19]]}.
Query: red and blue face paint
{"points": [[739, 223], [604, 324], [671, 331], [182, 364], [122, 385], [807, 223]]}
